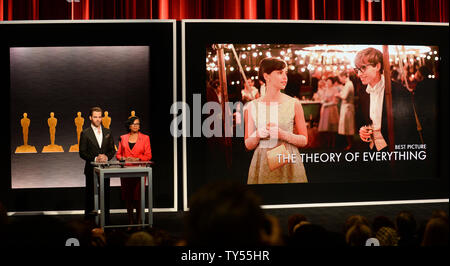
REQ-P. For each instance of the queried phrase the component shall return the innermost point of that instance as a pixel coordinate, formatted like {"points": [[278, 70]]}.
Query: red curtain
{"points": [[370, 10]]}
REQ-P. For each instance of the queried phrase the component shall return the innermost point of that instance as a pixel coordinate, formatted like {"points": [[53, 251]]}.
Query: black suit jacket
{"points": [[405, 128], [89, 148]]}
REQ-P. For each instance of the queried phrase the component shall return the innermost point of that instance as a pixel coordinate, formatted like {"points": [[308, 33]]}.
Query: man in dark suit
{"points": [[96, 144], [369, 68], [372, 106]]}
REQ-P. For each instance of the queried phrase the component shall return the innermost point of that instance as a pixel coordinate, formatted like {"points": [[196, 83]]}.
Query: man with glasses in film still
{"points": [[372, 104]]}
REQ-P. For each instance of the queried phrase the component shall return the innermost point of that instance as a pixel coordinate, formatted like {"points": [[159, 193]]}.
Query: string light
{"points": [[319, 59]]}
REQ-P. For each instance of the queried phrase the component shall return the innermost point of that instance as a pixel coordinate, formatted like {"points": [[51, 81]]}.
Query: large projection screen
{"points": [[412, 168]]}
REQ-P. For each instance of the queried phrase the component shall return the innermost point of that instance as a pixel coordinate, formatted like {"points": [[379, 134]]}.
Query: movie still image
{"points": [[306, 113]]}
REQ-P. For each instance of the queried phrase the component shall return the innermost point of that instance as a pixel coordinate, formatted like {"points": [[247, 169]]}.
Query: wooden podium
{"points": [[123, 170]]}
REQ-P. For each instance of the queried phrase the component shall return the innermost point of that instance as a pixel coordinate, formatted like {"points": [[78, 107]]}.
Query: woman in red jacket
{"points": [[133, 146]]}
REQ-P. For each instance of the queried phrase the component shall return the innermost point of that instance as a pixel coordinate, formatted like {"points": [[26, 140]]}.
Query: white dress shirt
{"points": [[98, 135], [376, 103]]}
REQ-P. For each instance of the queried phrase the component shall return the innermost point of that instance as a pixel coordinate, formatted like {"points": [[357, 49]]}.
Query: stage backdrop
{"points": [[67, 80]]}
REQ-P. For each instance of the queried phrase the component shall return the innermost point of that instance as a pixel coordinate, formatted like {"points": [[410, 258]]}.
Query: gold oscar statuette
{"points": [[133, 113], [79, 122], [52, 122], [106, 122], [25, 148]]}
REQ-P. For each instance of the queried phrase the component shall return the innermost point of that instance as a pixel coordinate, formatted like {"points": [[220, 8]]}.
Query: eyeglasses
{"points": [[362, 68], [135, 124]]}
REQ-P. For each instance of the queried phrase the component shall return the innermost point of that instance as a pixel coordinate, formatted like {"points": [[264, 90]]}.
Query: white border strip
{"points": [[74, 212], [174, 98], [352, 204], [286, 206], [183, 98]]}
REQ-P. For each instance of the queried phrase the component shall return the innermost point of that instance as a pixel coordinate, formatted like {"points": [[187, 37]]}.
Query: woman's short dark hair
{"points": [[268, 65], [130, 121]]}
